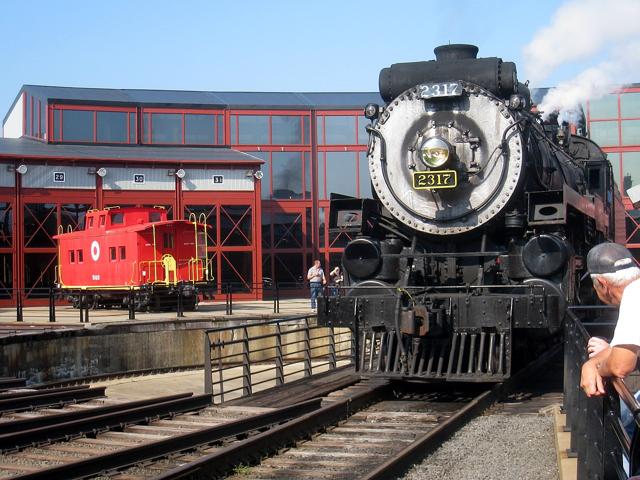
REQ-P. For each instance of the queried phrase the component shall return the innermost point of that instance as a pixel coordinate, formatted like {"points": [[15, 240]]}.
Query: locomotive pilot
{"points": [[616, 280]]}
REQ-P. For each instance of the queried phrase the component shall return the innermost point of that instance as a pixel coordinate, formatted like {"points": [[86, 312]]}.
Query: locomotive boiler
{"points": [[461, 266]]}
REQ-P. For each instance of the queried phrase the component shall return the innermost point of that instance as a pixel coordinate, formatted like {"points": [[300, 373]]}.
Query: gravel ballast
{"points": [[496, 447]]}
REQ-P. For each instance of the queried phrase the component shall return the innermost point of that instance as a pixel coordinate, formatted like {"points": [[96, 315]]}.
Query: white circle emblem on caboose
{"points": [[95, 250]]}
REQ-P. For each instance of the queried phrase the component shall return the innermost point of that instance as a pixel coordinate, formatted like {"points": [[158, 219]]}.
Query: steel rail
{"points": [[253, 449], [99, 422], [160, 448], [38, 393], [43, 421], [7, 383], [60, 398], [226, 459], [434, 438]]}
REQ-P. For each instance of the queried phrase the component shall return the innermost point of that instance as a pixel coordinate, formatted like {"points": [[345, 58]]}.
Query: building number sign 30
{"points": [[138, 178]]}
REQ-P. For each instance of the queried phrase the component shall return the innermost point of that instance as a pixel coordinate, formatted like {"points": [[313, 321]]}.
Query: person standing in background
{"points": [[316, 278], [336, 280]]}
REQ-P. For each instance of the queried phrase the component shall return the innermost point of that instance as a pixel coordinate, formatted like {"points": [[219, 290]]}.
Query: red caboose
{"points": [[123, 249]]}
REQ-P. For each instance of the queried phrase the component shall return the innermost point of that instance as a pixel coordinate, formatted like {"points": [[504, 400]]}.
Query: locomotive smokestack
{"points": [[458, 51]]}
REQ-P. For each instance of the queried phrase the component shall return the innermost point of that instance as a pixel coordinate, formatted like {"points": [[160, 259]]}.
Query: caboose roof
{"points": [[25, 148]]}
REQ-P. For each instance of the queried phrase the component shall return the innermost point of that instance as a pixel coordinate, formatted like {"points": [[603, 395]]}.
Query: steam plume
{"points": [[580, 30]]}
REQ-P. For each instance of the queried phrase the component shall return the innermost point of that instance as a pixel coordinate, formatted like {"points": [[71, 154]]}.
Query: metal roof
{"points": [[248, 100], [27, 149]]}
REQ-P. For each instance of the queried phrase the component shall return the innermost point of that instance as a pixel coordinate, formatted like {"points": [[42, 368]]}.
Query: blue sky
{"points": [[248, 45]]}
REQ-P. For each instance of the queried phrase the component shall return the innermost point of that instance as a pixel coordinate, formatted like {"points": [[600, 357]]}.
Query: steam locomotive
{"points": [[133, 254], [461, 267]]}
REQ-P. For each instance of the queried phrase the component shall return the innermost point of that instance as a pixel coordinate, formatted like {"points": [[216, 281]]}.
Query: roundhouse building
{"points": [[258, 166]]}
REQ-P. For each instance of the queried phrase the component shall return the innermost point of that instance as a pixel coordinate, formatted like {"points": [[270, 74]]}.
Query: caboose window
{"points": [[117, 219], [103, 219], [168, 240], [123, 253], [112, 253], [72, 256], [79, 255], [90, 222]]}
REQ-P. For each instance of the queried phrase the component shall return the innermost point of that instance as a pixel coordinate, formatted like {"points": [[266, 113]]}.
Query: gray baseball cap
{"points": [[608, 257]]}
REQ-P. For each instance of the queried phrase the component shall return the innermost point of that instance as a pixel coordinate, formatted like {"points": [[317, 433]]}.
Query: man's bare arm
{"points": [[620, 362]]}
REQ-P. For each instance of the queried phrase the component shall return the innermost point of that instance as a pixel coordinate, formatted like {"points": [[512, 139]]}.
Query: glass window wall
{"points": [[338, 130], [630, 132], [605, 107], [630, 105], [199, 129], [112, 127], [77, 126], [287, 130], [166, 128], [286, 171], [605, 133]]}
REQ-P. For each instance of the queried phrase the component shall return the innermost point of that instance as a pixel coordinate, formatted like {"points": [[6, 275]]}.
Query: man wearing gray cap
{"points": [[615, 277]]}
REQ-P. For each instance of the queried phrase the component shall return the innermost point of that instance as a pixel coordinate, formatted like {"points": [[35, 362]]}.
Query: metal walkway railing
{"points": [[598, 437], [240, 360]]}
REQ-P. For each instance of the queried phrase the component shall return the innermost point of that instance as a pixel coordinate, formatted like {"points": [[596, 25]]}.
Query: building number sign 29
{"points": [[58, 177]]}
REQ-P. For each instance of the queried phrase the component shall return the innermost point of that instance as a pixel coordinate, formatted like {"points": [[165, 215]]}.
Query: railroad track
{"points": [[370, 429]]}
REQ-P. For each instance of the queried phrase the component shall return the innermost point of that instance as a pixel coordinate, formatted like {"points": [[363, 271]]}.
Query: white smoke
{"points": [[581, 30]]}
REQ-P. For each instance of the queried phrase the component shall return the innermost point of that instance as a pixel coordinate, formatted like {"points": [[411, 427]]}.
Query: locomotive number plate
{"points": [[446, 89], [435, 179]]}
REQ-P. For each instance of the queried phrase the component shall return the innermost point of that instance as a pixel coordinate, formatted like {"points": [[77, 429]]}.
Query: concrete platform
{"points": [[37, 318]]}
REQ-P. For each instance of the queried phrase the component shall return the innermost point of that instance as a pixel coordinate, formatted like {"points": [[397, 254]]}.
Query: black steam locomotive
{"points": [[462, 265]]}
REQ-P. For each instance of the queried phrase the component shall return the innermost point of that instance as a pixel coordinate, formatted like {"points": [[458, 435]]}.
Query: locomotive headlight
{"points": [[434, 152]]}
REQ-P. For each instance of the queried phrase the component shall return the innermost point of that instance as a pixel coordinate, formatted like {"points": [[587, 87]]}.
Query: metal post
{"points": [[230, 300], [246, 364], [52, 305], [279, 362], [208, 382], [81, 306], [19, 315], [333, 362], [180, 309], [307, 349], [274, 287], [226, 291], [277, 298], [219, 345], [132, 305]]}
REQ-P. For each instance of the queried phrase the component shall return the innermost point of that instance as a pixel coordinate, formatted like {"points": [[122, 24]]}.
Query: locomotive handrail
{"points": [[194, 217], [69, 228], [60, 229]]}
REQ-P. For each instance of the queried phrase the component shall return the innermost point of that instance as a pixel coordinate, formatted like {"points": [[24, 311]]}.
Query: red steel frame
{"points": [[217, 201], [621, 149], [315, 147], [8, 195], [182, 112], [52, 109]]}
